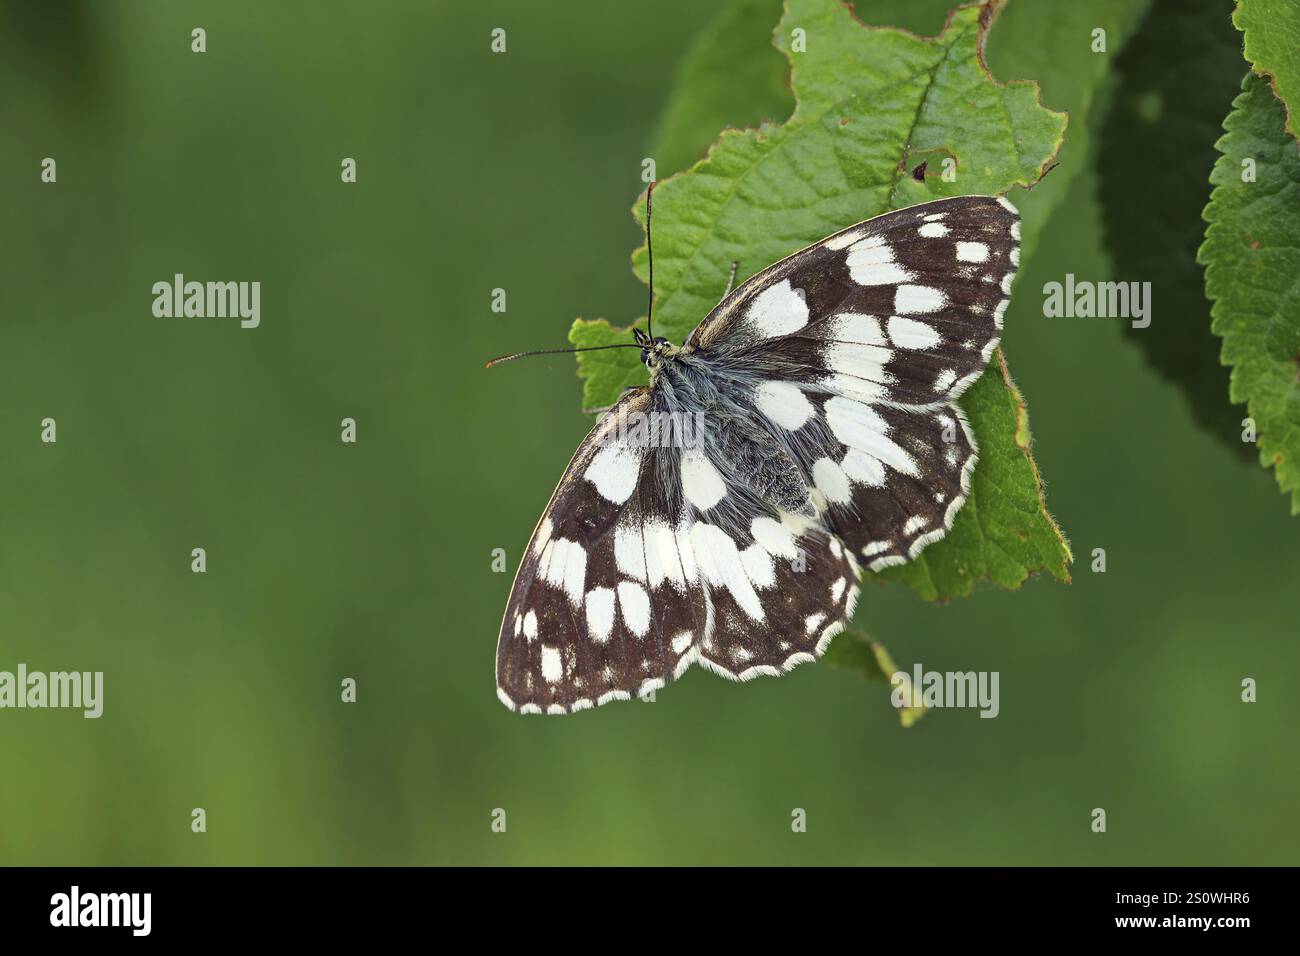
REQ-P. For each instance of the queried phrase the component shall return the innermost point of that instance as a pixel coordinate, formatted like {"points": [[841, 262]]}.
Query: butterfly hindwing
{"points": [[627, 581], [799, 578], [566, 588], [897, 478]]}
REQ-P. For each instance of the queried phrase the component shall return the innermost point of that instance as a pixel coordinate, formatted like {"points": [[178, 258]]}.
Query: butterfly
{"points": [[808, 426]]}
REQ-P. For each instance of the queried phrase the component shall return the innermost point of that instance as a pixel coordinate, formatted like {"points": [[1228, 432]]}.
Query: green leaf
{"points": [[858, 654], [732, 75], [1176, 78], [1251, 256], [1272, 29], [1053, 42], [1003, 533], [871, 105]]}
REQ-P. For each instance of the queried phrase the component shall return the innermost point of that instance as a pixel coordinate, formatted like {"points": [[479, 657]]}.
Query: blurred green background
{"points": [[373, 560]]}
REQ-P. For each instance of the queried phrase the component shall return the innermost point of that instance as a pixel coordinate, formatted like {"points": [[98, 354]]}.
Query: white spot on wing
{"points": [[635, 605], [914, 524], [972, 252], [915, 299], [544, 562], [843, 240], [543, 536], [760, 568], [777, 310], [863, 468], [857, 388], [773, 536], [600, 614], [862, 429], [871, 262], [861, 361], [661, 560], [911, 334], [721, 564], [552, 666], [831, 481], [933, 230], [701, 483], [686, 551], [530, 624], [575, 572], [784, 403], [614, 471], [796, 524], [944, 380], [629, 551], [853, 327], [559, 549]]}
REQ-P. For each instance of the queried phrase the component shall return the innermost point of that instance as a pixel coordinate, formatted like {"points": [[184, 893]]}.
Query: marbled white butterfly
{"points": [[826, 434]]}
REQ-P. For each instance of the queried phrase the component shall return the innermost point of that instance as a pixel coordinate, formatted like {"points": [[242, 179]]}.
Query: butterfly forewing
{"points": [[567, 587], [870, 335], [935, 278]]}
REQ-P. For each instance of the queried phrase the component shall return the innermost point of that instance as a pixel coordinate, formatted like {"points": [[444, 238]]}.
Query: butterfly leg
{"points": [[731, 279]]}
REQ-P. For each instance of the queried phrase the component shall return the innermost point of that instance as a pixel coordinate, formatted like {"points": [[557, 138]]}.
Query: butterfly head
{"points": [[653, 349]]}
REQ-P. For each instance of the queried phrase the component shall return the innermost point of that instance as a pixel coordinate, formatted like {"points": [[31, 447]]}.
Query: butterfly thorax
{"points": [[761, 468]]}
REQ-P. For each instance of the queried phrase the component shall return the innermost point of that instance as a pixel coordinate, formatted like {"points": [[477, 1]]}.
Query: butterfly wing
{"points": [[625, 583], [856, 348], [851, 353]]}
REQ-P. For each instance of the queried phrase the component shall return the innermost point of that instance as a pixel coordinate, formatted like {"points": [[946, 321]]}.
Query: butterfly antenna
{"points": [[650, 253], [590, 348], [596, 348]]}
